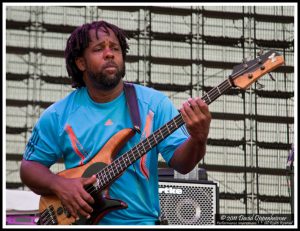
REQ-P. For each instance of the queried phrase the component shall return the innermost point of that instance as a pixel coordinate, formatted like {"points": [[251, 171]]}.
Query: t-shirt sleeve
{"points": [[43, 144], [166, 111]]}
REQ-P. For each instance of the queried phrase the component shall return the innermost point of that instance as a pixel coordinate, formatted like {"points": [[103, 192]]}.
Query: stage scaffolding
{"points": [[183, 52]]}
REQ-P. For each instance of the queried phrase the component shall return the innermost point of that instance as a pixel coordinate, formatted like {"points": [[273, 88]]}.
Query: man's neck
{"points": [[102, 96]]}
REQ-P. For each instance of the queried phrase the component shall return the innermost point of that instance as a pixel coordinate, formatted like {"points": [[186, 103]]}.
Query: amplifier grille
{"points": [[188, 203]]}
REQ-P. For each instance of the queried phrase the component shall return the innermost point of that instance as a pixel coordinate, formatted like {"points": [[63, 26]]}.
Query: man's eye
{"points": [[98, 48]]}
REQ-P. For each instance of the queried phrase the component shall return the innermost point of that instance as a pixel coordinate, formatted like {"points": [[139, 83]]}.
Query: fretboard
{"points": [[108, 174]]}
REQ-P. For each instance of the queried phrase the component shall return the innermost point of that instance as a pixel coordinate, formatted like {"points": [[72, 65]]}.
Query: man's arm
{"points": [[37, 177], [197, 117], [70, 192]]}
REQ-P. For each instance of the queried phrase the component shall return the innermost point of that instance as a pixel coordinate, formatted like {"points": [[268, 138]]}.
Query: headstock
{"points": [[243, 75]]}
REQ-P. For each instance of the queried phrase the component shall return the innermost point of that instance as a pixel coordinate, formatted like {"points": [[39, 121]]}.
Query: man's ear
{"points": [[80, 63]]}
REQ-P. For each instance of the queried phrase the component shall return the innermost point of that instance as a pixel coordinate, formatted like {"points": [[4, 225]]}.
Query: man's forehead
{"points": [[101, 32]]}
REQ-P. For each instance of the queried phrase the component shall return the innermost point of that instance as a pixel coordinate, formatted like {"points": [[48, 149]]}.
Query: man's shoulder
{"points": [[148, 92], [63, 105], [153, 99]]}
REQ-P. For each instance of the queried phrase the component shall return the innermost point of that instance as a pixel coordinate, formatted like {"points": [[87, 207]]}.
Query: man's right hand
{"points": [[70, 191], [73, 196]]}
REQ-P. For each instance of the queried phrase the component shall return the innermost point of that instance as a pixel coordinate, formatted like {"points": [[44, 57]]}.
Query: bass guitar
{"points": [[107, 169]]}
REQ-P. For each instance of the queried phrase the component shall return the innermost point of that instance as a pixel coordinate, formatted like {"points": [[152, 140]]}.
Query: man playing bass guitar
{"points": [[88, 125]]}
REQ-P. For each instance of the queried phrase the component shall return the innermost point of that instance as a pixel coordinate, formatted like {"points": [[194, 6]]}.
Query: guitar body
{"points": [[51, 206]]}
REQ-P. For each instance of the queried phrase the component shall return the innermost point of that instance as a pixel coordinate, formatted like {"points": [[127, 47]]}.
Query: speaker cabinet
{"points": [[186, 202]]}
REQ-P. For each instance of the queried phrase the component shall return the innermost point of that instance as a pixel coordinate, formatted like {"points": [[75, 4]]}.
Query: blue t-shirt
{"points": [[76, 128]]}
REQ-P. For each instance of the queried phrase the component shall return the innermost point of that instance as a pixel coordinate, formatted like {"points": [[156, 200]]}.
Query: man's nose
{"points": [[108, 53]]}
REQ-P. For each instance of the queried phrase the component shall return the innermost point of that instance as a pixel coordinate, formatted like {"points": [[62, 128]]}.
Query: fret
{"points": [[105, 178], [208, 99], [104, 181], [117, 166], [105, 175], [131, 156], [120, 163], [99, 183], [146, 144], [149, 142], [109, 166], [229, 83], [167, 128], [170, 125], [214, 93], [175, 123], [126, 158], [144, 148], [136, 150], [165, 133], [99, 177], [204, 98], [134, 157], [114, 171], [127, 161], [162, 135], [155, 139]]}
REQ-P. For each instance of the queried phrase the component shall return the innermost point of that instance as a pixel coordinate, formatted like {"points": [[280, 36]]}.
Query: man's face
{"points": [[103, 60]]}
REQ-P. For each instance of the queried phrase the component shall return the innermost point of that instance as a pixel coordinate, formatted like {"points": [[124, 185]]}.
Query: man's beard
{"points": [[104, 82]]}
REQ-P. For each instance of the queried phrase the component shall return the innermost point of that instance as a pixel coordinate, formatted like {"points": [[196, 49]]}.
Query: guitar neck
{"points": [[108, 174]]}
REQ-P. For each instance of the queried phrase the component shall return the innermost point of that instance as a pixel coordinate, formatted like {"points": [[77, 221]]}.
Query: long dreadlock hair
{"points": [[79, 40]]}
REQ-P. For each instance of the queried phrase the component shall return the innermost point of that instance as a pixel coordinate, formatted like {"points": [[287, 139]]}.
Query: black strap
{"points": [[132, 104]]}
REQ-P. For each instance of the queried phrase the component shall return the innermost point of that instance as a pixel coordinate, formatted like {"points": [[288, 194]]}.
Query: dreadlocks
{"points": [[79, 40]]}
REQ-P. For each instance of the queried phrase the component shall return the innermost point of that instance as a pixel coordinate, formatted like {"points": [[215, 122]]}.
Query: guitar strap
{"points": [[132, 104]]}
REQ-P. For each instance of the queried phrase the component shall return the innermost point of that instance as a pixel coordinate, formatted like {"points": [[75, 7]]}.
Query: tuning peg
{"points": [[259, 60], [259, 85], [245, 65], [261, 51], [271, 76]]}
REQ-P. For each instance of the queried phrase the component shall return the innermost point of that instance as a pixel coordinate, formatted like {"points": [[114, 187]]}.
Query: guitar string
{"points": [[42, 216], [214, 94], [46, 217], [163, 130], [130, 155], [102, 173], [140, 147]]}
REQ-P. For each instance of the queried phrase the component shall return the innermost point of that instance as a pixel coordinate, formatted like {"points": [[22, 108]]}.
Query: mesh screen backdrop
{"points": [[183, 51]]}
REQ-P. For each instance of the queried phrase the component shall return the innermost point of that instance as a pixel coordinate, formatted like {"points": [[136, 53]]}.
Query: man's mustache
{"points": [[110, 64]]}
